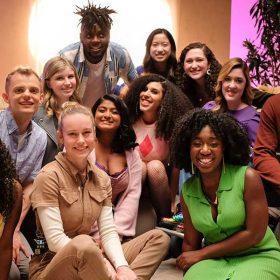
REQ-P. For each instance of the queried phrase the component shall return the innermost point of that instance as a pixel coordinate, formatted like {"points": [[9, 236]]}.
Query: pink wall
{"points": [[242, 26]]}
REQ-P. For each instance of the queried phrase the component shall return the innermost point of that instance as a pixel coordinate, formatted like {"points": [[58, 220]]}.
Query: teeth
{"points": [[205, 160]]}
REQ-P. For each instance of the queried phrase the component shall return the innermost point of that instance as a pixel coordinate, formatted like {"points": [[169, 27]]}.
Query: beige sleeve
{"points": [[52, 226], [109, 238], [46, 190]]}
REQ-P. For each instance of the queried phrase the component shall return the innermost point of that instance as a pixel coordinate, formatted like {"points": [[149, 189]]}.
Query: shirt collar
{"points": [[195, 186], [12, 125], [69, 167]]}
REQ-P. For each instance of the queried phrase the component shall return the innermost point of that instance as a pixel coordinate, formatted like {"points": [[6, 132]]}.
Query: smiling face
{"points": [[233, 87], [196, 64], [107, 117], [77, 135], [160, 49], [23, 95], [150, 98], [206, 151], [95, 42], [63, 84]]}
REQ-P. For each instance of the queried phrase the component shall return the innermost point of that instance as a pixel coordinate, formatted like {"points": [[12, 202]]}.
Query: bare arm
{"points": [[255, 225], [6, 240], [174, 183], [26, 203]]}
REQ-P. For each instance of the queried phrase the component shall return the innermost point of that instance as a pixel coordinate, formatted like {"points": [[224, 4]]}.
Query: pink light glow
{"points": [[242, 27]]}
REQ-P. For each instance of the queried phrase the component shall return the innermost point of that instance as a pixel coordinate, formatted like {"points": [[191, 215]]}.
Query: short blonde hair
{"points": [[22, 70]]}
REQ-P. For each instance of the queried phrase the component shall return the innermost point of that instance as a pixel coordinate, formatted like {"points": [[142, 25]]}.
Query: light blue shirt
{"points": [[28, 157], [118, 64]]}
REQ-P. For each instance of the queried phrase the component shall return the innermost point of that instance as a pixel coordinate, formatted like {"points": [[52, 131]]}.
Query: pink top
{"points": [[126, 209], [150, 147]]}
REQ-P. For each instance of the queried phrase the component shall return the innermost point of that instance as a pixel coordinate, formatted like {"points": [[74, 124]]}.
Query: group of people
{"points": [[82, 157]]}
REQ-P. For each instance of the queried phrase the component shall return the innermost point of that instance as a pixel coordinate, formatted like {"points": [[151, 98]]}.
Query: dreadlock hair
{"points": [[125, 137], [225, 127], [7, 182], [91, 14], [173, 104], [187, 84]]}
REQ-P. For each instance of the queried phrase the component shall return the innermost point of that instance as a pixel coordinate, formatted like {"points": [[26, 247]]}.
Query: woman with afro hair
{"points": [[155, 104], [223, 202], [10, 209]]}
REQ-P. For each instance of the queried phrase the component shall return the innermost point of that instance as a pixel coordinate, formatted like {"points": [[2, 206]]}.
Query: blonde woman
{"points": [[60, 83], [70, 195]]}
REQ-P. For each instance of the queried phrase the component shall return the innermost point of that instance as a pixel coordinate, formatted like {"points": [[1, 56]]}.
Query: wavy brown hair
{"points": [[247, 96], [187, 84]]}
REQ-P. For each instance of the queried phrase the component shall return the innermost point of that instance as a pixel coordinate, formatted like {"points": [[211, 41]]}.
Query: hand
{"points": [[17, 247], [125, 273], [187, 259]]}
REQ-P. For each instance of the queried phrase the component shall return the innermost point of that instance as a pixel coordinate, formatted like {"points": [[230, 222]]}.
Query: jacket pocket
{"points": [[98, 195], [69, 196]]}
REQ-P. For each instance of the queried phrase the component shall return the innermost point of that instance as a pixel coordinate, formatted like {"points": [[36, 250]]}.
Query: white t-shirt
{"points": [[95, 87]]}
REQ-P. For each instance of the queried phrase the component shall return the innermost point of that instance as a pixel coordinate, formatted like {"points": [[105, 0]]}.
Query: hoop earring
{"points": [[224, 166], [208, 72], [192, 168]]}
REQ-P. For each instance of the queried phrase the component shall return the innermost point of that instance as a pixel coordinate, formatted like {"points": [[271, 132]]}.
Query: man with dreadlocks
{"points": [[99, 62]]}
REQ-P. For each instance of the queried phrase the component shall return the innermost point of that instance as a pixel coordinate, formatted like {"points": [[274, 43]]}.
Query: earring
{"points": [[137, 108], [224, 166], [192, 168], [208, 72]]}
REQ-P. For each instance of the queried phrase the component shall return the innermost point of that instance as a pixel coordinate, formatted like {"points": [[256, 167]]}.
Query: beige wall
{"points": [[203, 21], [194, 20], [14, 36]]}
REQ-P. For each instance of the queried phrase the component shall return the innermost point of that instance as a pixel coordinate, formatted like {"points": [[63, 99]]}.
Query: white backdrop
{"points": [[53, 25]]}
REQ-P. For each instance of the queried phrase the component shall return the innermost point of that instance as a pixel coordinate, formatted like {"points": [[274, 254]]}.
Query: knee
{"points": [[84, 245], [161, 240], [156, 168]]}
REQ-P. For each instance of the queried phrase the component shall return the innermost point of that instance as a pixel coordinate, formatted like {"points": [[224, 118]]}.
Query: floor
{"points": [[168, 271]]}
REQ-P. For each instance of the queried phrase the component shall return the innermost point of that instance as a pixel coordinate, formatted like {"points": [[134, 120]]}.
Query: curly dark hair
{"points": [[187, 84], [224, 126], [125, 138], [7, 182], [173, 105], [148, 62], [91, 14]]}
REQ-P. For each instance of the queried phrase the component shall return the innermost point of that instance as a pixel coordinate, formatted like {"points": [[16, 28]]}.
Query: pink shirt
{"points": [[150, 147]]}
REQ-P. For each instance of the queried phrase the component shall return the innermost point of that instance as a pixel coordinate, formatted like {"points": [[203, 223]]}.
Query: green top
{"points": [[231, 209]]}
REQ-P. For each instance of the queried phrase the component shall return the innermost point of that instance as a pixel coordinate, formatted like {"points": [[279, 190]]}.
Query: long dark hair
{"points": [[148, 62], [125, 137], [7, 182]]}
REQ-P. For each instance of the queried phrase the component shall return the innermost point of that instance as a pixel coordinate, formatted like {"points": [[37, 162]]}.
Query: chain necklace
{"points": [[213, 203]]}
